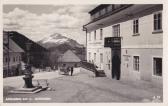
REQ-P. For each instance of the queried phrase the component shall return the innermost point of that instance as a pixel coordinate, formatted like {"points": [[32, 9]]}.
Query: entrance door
{"points": [[116, 62]]}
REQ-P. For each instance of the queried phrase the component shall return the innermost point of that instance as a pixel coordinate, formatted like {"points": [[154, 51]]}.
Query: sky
{"points": [[39, 21]]}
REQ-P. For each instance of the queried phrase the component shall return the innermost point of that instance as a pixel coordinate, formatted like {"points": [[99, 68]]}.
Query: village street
{"points": [[82, 87]]}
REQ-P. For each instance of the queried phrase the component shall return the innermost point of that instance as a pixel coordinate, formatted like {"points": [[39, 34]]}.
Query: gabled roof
{"points": [[69, 56], [13, 47], [21, 41]]}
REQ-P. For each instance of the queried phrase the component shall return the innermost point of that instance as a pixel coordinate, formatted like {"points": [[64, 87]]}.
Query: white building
{"points": [[136, 31]]}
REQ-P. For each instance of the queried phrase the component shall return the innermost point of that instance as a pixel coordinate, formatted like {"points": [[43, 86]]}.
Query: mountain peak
{"points": [[58, 39], [57, 35], [55, 38]]}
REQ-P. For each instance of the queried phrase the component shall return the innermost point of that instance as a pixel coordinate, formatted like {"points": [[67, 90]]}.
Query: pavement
{"points": [[83, 87]]}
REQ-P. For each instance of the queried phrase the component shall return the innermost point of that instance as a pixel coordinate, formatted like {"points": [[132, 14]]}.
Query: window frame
{"points": [[135, 27], [156, 21], [117, 26], [136, 64]]}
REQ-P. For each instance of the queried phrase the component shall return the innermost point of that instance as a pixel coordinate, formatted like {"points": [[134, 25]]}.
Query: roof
{"points": [[69, 56], [13, 47], [99, 7], [21, 41], [5, 49], [127, 12]]}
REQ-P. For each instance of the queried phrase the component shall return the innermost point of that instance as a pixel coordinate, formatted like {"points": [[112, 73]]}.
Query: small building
{"points": [[68, 59], [12, 57]]}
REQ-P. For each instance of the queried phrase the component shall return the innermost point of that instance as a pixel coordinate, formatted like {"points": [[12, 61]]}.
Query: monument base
{"points": [[27, 90]]}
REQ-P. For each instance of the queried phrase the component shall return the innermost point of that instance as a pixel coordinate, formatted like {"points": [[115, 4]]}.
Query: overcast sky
{"points": [[39, 21]]}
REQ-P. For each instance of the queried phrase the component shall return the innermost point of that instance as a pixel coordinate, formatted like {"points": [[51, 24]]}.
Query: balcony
{"points": [[112, 42]]}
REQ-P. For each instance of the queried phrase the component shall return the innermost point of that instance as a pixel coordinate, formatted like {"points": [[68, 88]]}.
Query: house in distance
{"points": [[68, 59]]}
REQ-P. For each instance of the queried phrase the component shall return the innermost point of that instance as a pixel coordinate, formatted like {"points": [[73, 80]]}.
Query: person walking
{"points": [[67, 71], [71, 71]]}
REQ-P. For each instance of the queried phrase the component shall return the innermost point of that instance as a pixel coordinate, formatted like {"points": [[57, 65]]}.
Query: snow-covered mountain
{"points": [[57, 39], [57, 44]]}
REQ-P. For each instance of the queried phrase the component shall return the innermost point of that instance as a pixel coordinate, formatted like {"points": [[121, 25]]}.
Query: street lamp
{"points": [[28, 73]]}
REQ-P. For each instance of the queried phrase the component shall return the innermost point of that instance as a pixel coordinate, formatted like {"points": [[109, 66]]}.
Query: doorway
{"points": [[116, 62]]}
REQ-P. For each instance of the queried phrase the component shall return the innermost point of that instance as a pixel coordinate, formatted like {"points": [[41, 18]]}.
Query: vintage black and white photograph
{"points": [[86, 53]]}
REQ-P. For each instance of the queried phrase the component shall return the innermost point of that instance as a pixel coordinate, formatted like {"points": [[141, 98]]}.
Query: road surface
{"points": [[83, 87]]}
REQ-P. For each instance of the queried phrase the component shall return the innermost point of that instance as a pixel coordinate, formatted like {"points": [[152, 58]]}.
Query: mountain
{"points": [[59, 42], [57, 39]]}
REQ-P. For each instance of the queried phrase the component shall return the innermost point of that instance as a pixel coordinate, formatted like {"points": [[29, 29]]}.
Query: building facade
{"points": [[12, 57], [134, 33]]}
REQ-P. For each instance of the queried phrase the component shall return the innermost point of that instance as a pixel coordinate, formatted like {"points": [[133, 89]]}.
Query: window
{"points": [[97, 15], [157, 66], [116, 6], [101, 57], [100, 12], [89, 36], [116, 30], [93, 17], [101, 34], [136, 63], [94, 35], [106, 10], [103, 11], [109, 8], [157, 21], [94, 57], [112, 7], [136, 26]]}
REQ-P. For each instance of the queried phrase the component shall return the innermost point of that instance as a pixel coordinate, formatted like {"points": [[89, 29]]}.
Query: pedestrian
{"points": [[68, 70], [71, 71]]}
